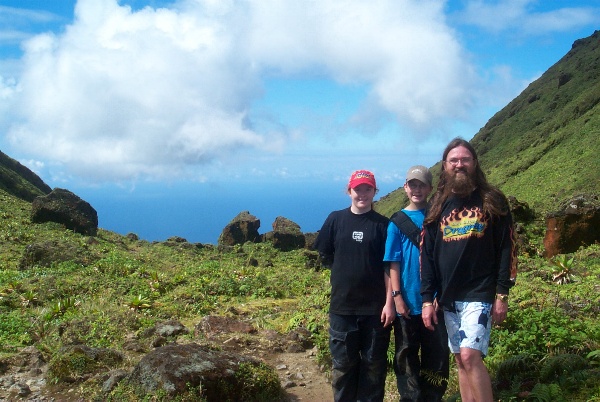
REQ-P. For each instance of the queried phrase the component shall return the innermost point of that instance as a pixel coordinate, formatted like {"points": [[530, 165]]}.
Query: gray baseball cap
{"points": [[420, 173]]}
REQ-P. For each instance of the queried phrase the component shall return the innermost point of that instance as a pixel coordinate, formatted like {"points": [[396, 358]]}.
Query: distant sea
{"points": [[199, 212]]}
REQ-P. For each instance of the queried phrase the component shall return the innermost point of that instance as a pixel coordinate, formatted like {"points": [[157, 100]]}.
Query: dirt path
{"points": [[301, 377]]}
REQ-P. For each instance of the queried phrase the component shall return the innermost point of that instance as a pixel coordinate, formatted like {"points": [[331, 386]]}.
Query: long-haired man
{"points": [[468, 263]]}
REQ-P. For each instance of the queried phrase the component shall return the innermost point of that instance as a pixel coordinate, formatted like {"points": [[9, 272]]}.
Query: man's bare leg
{"points": [[473, 377]]}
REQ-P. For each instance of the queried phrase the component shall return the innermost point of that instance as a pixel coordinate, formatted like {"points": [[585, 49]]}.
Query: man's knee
{"points": [[469, 359]]}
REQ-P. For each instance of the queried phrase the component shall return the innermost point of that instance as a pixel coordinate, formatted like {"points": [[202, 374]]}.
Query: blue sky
{"points": [[125, 99]]}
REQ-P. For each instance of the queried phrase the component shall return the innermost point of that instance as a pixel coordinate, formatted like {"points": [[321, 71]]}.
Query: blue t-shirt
{"points": [[399, 248]]}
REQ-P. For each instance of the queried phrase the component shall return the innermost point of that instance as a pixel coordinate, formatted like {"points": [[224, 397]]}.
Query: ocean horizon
{"points": [[200, 213]]}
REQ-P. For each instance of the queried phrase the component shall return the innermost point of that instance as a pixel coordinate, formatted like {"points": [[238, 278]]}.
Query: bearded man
{"points": [[468, 264]]}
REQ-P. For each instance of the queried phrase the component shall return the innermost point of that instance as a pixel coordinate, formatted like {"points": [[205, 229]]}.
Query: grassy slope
{"points": [[19, 181], [543, 146], [91, 301], [114, 288]]}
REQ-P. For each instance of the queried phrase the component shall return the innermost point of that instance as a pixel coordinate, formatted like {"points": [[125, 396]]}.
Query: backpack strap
{"points": [[407, 226]]}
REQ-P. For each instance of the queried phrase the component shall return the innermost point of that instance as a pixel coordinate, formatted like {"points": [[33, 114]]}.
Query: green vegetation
{"points": [[18, 180], [549, 345], [115, 287]]}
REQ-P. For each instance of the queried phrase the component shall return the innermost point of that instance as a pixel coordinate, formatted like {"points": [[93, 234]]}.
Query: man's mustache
{"points": [[456, 170]]}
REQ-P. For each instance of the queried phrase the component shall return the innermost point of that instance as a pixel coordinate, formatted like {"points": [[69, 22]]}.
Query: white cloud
{"points": [[122, 94]]}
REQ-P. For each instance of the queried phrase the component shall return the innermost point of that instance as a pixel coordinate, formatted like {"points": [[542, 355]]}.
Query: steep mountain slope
{"points": [[543, 146], [19, 181]]}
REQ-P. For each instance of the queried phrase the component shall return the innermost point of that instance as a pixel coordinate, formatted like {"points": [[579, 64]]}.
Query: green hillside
{"points": [[543, 146], [19, 181]]}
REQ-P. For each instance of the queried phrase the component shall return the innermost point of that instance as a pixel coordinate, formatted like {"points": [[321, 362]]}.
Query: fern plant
{"points": [[514, 370], [434, 378], [555, 367], [546, 393]]}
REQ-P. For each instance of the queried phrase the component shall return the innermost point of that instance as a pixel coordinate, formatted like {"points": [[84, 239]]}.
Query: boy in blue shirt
{"points": [[424, 378]]}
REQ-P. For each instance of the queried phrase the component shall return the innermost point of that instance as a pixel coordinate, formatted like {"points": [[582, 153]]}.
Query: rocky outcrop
{"points": [[213, 375], [44, 254], [76, 363], [286, 235], [31, 365], [310, 238], [64, 207], [520, 210], [577, 223], [243, 228], [211, 325]]}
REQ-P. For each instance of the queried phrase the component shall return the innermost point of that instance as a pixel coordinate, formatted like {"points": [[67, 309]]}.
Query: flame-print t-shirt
{"points": [[467, 255]]}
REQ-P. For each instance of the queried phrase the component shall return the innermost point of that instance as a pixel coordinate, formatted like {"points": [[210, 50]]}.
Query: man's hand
{"points": [[429, 316], [499, 311]]}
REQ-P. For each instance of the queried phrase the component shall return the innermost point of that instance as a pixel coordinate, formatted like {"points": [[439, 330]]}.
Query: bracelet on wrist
{"points": [[426, 304], [502, 298]]}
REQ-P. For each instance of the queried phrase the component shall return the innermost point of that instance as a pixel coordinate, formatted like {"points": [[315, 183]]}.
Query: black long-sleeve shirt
{"points": [[467, 255], [354, 245]]}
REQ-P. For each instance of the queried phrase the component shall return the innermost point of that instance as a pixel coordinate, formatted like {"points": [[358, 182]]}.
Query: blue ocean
{"points": [[199, 212]]}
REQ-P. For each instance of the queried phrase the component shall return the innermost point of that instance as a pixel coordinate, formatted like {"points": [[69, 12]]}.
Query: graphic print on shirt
{"points": [[462, 224], [358, 236]]}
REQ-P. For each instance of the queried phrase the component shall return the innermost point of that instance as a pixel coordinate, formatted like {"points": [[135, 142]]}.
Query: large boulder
{"points": [[46, 253], [64, 207], [520, 210], [310, 238], [77, 363], [286, 235], [576, 224], [243, 228], [221, 376], [211, 325]]}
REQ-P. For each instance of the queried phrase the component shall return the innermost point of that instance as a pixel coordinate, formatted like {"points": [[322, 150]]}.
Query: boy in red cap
{"points": [[352, 243]]}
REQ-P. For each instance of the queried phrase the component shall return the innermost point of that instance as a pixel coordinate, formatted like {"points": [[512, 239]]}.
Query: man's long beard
{"points": [[459, 184]]}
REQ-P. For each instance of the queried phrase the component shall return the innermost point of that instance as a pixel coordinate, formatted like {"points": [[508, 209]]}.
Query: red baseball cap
{"points": [[360, 177]]}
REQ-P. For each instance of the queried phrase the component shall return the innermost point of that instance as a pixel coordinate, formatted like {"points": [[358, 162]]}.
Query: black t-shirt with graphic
{"points": [[354, 246], [467, 255]]}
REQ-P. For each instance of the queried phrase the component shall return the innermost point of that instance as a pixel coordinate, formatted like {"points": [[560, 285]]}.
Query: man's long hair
{"points": [[494, 201]]}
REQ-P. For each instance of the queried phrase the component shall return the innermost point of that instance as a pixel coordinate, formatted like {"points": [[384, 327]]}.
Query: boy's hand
{"points": [[388, 314], [401, 307]]}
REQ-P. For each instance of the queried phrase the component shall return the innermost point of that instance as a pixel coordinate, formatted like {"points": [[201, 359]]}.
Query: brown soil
{"points": [[293, 358], [301, 377]]}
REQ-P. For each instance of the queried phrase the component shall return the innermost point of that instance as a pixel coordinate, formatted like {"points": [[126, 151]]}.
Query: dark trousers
{"points": [[358, 345], [421, 379]]}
